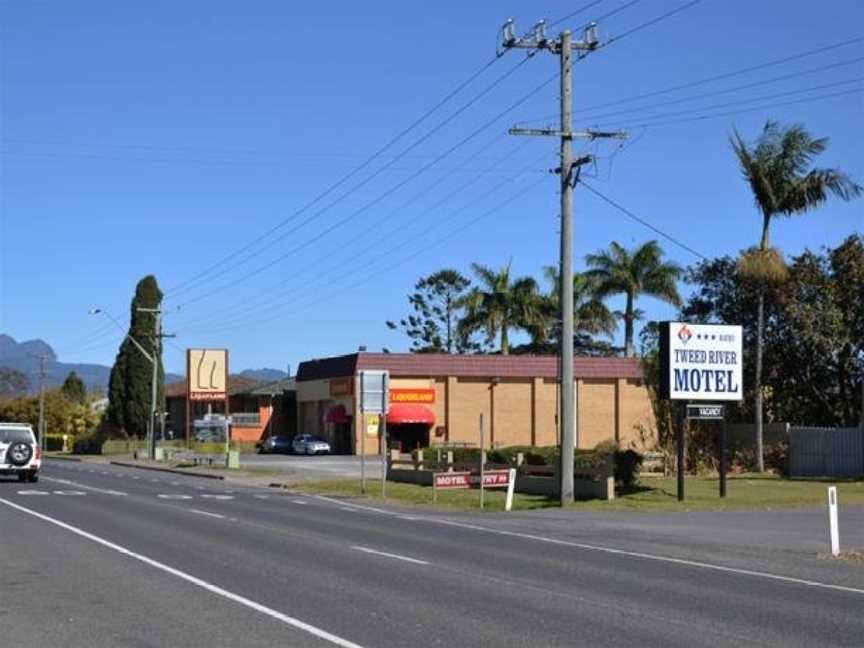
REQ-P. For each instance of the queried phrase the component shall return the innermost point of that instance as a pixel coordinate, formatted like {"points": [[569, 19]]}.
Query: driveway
{"points": [[318, 467]]}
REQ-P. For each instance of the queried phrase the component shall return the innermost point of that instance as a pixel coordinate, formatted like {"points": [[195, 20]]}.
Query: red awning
{"points": [[336, 415], [410, 413]]}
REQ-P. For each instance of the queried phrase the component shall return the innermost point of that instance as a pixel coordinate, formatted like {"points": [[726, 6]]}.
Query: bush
{"points": [[87, 444], [777, 457], [628, 463], [57, 442]]}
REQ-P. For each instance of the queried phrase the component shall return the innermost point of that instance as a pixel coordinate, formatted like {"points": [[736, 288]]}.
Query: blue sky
{"points": [[162, 137]]}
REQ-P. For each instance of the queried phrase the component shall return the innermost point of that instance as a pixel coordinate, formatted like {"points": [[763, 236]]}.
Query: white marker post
{"points": [[508, 504], [833, 531]]}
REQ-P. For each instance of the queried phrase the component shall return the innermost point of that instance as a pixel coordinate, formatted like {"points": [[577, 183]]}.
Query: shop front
{"points": [[439, 399]]}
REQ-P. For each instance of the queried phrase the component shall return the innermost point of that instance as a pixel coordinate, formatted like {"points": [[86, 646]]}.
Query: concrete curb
{"points": [[175, 471], [62, 458]]}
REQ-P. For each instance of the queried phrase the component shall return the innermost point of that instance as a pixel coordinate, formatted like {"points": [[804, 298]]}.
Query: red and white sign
{"points": [[491, 479]]}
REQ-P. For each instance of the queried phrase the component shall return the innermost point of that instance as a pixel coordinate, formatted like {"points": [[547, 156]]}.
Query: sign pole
{"points": [[682, 421], [362, 428], [723, 443], [481, 463], [383, 426]]}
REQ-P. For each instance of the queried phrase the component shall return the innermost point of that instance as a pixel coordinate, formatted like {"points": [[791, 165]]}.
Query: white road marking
{"points": [[104, 491], [218, 497], [175, 483], [261, 496], [297, 501], [33, 492], [345, 508], [620, 552], [69, 492], [214, 589], [136, 478], [170, 496], [389, 555], [207, 513]]}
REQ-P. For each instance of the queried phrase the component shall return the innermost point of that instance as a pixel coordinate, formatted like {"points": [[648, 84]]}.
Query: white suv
{"points": [[20, 453]]}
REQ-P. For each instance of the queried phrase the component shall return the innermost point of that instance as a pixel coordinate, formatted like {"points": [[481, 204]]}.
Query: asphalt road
{"points": [[106, 556]]}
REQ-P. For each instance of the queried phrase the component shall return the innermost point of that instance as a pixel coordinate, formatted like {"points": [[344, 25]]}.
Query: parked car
{"points": [[20, 453], [275, 444], [310, 445]]}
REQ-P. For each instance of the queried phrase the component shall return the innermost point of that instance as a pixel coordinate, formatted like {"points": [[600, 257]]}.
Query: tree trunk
{"points": [[629, 349], [760, 330], [449, 324], [505, 340]]}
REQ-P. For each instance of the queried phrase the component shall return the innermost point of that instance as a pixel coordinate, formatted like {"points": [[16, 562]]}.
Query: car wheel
{"points": [[19, 454]]}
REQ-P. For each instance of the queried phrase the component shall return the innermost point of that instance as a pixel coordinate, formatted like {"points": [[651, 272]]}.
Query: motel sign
{"points": [[700, 361]]}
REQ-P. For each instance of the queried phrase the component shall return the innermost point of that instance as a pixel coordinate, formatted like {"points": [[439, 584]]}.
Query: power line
{"points": [[362, 183], [753, 109], [577, 12], [644, 222], [653, 21], [383, 253], [347, 177], [691, 111], [381, 197], [409, 257]]}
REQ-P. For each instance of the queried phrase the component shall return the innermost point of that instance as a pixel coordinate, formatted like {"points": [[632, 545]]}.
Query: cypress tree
{"points": [[130, 384], [74, 389]]}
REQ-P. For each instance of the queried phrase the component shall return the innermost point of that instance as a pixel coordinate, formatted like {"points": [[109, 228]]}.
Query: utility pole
{"points": [[42, 373], [156, 359], [563, 47]]}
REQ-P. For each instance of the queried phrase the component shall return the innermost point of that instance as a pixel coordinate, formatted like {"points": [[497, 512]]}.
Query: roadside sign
{"points": [[706, 412], [374, 392], [701, 362], [452, 480]]}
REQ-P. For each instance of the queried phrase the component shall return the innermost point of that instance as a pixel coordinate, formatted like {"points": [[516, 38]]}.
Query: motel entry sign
{"points": [[700, 362]]}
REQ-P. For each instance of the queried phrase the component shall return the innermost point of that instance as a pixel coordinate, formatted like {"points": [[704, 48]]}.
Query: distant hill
{"points": [[20, 356], [264, 375]]}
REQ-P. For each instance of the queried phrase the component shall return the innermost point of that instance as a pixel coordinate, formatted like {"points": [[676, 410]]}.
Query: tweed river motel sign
{"points": [[701, 363]]}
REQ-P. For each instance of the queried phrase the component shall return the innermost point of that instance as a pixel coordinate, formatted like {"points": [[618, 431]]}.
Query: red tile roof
{"points": [[476, 366]]}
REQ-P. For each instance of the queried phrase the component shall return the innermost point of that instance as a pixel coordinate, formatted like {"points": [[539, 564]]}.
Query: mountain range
{"points": [[24, 356]]}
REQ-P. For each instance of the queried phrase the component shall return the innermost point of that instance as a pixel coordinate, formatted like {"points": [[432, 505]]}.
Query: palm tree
{"points": [[633, 273], [500, 304], [590, 314], [778, 170]]}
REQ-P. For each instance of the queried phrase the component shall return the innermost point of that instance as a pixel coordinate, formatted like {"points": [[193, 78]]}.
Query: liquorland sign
{"points": [[700, 362]]}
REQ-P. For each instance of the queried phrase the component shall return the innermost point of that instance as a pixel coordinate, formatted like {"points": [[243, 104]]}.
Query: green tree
{"points": [[74, 389], [778, 168], [633, 273], [13, 383], [129, 388], [500, 304], [590, 314], [437, 302]]}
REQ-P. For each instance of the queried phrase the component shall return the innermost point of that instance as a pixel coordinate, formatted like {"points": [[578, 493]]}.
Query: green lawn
{"points": [[758, 492]]}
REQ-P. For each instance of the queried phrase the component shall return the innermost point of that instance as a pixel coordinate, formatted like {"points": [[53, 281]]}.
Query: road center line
{"points": [[214, 589], [207, 513], [106, 491], [389, 555]]}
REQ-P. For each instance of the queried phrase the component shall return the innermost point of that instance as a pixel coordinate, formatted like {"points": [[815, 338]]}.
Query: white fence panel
{"points": [[826, 452]]}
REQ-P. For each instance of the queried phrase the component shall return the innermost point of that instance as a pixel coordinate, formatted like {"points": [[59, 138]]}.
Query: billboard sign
{"points": [[207, 374], [701, 361], [409, 395]]}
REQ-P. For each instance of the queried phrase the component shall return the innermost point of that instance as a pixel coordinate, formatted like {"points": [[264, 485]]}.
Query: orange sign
{"points": [[412, 395]]}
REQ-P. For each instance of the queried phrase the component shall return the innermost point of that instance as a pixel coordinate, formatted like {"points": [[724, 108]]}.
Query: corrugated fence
{"points": [[826, 452]]}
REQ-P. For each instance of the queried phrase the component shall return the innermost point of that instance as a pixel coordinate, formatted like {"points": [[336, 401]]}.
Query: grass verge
{"points": [[744, 492]]}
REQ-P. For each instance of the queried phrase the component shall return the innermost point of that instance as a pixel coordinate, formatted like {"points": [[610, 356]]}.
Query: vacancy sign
{"points": [[700, 362]]}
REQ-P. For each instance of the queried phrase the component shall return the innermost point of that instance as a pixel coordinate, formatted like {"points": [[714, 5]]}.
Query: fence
{"points": [[826, 452]]}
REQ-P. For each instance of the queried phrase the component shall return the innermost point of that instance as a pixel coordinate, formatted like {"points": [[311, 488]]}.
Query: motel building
{"points": [[437, 399]]}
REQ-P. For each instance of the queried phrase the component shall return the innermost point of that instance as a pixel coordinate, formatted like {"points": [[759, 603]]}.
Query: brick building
{"points": [[257, 410], [438, 399]]}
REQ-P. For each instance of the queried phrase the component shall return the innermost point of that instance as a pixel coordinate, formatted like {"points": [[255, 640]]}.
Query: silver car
{"points": [[310, 445]]}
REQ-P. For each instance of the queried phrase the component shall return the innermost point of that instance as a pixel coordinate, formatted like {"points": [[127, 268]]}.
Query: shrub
{"points": [[628, 463], [56, 442], [777, 457]]}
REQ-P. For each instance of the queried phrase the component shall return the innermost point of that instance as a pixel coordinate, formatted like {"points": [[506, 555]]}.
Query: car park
{"points": [[20, 454], [275, 445], [310, 445]]}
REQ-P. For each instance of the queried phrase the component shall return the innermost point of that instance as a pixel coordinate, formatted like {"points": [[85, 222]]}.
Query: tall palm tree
{"points": [[500, 304], [590, 314], [634, 273], [778, 170]]}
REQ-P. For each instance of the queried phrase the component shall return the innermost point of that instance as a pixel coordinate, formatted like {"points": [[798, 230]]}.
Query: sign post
{"points": [[701, 362], [833, 531], [374, 399], [481, 463]]}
